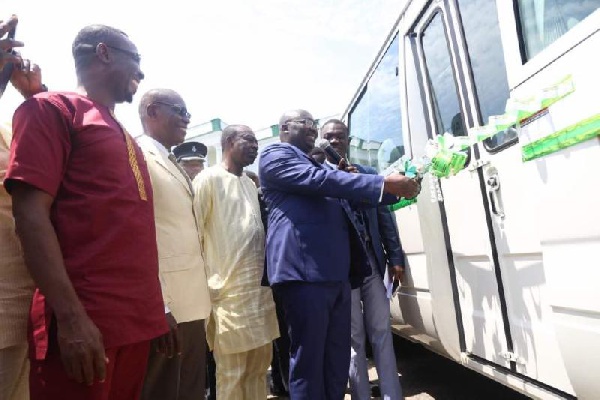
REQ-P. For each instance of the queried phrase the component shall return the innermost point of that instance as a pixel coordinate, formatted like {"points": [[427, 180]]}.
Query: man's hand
{"points": [[345, 166], [81, 349], [5, 56], [401, 186], [27, 79], [169, 344], [8, 44], [397, 273]]}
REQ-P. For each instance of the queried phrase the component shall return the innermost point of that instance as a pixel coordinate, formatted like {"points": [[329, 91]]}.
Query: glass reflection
{"points": [[376, 121], [443, 87]]}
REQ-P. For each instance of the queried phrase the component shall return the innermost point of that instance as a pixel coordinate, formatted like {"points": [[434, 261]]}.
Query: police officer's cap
{"points": [[190, 151]]}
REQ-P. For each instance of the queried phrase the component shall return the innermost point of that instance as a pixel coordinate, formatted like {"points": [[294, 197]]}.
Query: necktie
{"points": [[362, 222], [185, 175]]}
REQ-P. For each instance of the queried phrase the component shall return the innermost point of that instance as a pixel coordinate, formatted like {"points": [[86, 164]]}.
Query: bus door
{"points": [[478, 283], [510, 192], [490, 212]]}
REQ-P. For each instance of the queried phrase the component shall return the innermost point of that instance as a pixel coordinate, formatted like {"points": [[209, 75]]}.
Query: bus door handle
{"points": [[493, 185]]}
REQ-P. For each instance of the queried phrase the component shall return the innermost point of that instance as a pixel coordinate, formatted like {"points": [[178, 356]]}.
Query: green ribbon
{"points": [[519, 109], [446, 163], [402, 203], [570, 136], [448, 156]]}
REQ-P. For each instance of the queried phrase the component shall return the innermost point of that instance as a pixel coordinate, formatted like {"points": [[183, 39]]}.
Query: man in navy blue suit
{"points": [[315, 250], [370, 305]]}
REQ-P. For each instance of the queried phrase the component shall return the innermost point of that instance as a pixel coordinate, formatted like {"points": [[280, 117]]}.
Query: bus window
{"points": [[448, 118], [544, 21], [482, 34], [375, 121]]}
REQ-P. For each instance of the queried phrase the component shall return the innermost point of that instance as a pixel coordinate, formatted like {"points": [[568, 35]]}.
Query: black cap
{"points": [[190, 151]]}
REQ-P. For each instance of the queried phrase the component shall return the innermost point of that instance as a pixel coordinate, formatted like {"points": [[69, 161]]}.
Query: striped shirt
{"points": [[233, 241]]}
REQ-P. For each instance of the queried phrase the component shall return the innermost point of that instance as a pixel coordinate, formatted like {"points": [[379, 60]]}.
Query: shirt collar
{"points": [[159, 147], [332, 165]]}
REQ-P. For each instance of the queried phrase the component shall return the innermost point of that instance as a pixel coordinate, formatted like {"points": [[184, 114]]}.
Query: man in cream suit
{"points": [[176, 367]]}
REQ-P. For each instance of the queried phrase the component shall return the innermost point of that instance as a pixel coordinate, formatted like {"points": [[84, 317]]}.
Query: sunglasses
{"points": [[309, 123], [134, 56], [177, 109]]}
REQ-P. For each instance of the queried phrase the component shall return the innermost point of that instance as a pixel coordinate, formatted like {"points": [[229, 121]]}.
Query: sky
{"points": [[243, 61]]}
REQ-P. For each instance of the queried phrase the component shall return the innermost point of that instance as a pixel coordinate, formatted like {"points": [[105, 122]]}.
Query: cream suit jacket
{"points": [[181, 266]]}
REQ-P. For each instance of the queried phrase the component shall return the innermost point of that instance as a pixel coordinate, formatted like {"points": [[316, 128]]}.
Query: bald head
{"points": [[164, 116], [154, 95], [298, 128], [292, 115], [230, 133], [240, 147]]}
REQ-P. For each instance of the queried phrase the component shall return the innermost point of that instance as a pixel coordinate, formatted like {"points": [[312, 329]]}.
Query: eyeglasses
{"points": [[134, 56], [309, 123], [177, 109]]}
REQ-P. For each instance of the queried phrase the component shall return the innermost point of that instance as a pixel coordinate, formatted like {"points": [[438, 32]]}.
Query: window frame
{"points": [[520, 70], [419, 29], [394, 36], [522, 37], [472, 82]]}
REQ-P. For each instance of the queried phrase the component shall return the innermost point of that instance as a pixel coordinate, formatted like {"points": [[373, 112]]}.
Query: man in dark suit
{"points": [[370, 305], [280, 364], [314, 250]]}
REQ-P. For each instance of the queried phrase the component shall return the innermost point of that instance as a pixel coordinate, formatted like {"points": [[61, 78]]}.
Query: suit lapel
{"points": [[173, 170], [168, 165], [304, 156]]}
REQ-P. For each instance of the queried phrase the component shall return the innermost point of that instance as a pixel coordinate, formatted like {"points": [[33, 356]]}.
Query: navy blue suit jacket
{"points": [[312, 233], [383, 231]]}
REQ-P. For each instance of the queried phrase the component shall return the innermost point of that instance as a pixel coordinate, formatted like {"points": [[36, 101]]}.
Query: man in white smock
{"points": [[243, 322]]}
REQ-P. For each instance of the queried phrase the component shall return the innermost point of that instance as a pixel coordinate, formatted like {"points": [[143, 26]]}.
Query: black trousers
{"points": [[211, 376], [280, 365], [181, 377]]}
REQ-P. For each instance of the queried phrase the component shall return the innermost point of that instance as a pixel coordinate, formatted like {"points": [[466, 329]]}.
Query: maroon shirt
{"points": [[73, 149]]}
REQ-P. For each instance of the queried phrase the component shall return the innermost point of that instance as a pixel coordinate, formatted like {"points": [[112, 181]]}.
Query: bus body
{"points": [[502, 257]]}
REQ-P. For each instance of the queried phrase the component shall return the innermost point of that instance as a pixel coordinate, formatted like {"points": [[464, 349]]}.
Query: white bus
{"points": [[504, 258]]}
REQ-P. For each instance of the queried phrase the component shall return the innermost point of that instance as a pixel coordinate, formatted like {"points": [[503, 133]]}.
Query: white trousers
{"points": [[243, 376], [14, 373]]}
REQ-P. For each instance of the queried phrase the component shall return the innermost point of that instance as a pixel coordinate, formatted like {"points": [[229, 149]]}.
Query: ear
{"points": [[151, 110], [102, 53], [231, 140]]}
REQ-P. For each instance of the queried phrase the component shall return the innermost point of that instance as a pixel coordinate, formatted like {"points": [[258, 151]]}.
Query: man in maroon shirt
{"points": [[82, 203]]}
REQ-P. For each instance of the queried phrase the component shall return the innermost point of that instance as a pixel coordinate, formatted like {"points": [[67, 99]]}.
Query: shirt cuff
{"points": [[167, 309], [381, 193]]}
